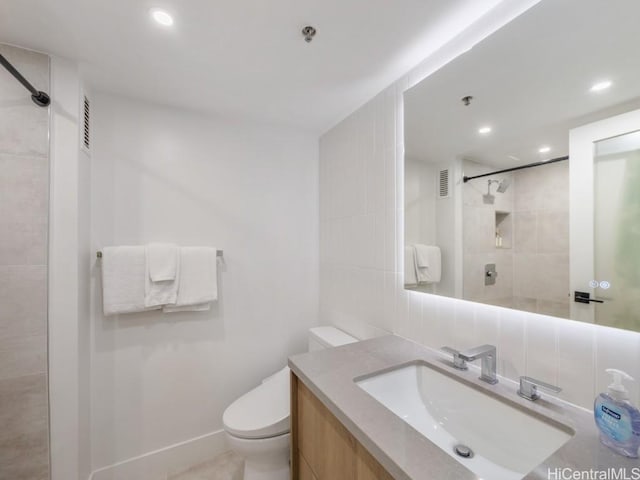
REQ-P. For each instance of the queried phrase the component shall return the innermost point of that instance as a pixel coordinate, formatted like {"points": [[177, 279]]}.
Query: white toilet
{"points": [[257, 423]]}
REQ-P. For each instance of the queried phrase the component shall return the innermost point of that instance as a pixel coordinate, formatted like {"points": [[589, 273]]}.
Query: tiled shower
{"points": [[525, 233], [24, 212]]}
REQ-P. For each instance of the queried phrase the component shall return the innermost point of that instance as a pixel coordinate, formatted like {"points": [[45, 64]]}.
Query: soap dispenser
{"points": [[617, 418]]}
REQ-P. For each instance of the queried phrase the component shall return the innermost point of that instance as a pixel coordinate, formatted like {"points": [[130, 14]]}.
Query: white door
{"points": [[605, 221]]}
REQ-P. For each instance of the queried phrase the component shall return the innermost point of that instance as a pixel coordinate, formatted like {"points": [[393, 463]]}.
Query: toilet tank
{"points": [[327, 337]]}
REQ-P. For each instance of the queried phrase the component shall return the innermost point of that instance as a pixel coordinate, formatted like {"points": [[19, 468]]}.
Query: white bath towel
{"points": [[410, 278], [198, 280], [428, 263], [123, 280], [163, 261]]}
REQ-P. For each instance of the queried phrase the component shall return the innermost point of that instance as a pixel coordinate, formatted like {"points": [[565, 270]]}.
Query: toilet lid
{"points": [[263, 412]]}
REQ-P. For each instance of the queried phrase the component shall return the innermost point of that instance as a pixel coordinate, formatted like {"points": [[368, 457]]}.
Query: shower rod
{"points": [[465, 179], [39, 98]]}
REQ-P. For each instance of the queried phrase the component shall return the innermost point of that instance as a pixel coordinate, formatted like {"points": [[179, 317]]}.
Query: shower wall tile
{"points": [[525, 276], [24, 189], [529, 195], [24, 453], [560, 309], [525, 232], [555, 185], [24, 355], [23, 296], [23, 243], [552, 273], [541, 249], [24, 207], [479, 229], [553, 231], [24, 128]]}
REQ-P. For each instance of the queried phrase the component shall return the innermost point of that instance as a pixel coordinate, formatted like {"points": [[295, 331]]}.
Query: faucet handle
{"points": [[529, 388], [458, 362]]}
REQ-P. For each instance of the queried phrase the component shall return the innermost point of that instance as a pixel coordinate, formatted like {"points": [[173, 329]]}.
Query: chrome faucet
{"points": [[529, 388], [488, 355], [457, 362]]}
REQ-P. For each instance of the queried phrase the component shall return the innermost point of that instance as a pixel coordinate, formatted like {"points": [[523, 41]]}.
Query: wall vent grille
{"points": [[443, 187], [86, 138]]}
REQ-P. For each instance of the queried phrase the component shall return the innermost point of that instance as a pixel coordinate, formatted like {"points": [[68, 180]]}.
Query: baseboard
{"points": [[166, 461]]}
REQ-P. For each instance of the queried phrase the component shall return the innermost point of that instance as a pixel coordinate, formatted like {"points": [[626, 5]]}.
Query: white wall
{"points": [[162, 174], [367, 297], [68, 279], [420, 203]]}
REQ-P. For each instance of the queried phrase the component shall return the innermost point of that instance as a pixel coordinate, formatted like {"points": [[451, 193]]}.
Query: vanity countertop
{"points": [[405, 453]]}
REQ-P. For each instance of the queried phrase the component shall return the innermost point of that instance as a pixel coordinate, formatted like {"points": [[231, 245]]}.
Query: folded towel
{"points": [[123, 280], [158, 294], [198, 279], [162, 277], [410, 278], [163, 261], [428, 263]]}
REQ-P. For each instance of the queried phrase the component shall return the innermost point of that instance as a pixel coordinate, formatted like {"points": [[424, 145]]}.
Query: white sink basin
{"points": [[506, 442]]}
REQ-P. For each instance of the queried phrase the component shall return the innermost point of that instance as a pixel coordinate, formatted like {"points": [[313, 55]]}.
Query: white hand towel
{"points": [[410, 278], [428, 263], [123, 280], [158, 294], [198, 280], [163, 261]]}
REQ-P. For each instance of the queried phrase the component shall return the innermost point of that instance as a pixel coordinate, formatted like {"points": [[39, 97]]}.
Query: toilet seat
{"points": [[262, 412]]}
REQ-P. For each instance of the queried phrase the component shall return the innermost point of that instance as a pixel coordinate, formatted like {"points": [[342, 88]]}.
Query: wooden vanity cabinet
{"points": [[321, 447]]}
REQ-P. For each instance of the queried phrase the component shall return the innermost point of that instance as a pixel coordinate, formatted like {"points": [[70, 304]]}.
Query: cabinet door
{"points": [[322, 448], [326, 445], [305, 472], [367, 467]]}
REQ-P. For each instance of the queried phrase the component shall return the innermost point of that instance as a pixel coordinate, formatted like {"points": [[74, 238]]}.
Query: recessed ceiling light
{"points": [[162, 17], [598, 87], [544, 149], [484, 130]]}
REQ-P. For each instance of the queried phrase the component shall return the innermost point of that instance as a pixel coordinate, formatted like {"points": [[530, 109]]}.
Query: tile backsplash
{"points": [[361, 281]]}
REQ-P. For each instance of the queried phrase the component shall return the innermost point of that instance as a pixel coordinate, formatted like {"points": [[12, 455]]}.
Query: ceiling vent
{"points": [[443, 184], [86, 121]]}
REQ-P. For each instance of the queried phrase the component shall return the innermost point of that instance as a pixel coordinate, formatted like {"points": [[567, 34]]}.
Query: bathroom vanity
{"points": [[352, 418], [320, 443]]}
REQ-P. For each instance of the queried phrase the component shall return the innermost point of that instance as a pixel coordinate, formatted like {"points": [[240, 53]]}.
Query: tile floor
{"points": [[228, 466]]}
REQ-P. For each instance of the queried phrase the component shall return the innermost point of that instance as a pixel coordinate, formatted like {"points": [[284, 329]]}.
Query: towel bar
{"points": [[218, 253]]}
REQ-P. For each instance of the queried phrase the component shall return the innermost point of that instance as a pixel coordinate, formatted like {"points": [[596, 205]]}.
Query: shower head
{"points": [[503, 185]]}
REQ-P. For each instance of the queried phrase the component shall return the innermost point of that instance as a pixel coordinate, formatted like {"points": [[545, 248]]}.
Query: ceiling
{"points": [[531, 83], [243, 58]]}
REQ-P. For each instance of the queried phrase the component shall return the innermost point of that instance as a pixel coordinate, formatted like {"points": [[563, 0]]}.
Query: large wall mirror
{"points": [[522, 167]]}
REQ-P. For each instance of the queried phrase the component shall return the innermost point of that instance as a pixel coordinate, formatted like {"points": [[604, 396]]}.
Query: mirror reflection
{"points": [[522, 167], [617, 230]]}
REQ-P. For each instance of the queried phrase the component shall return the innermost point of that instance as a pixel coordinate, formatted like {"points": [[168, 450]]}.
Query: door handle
{"points": [[585, 297]]}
